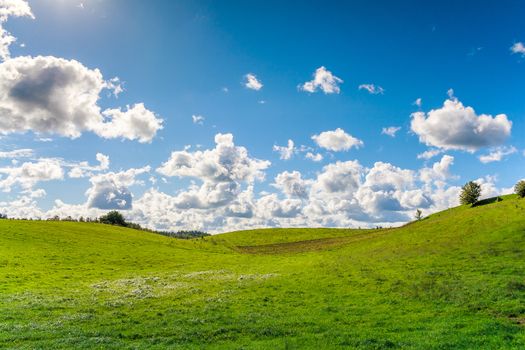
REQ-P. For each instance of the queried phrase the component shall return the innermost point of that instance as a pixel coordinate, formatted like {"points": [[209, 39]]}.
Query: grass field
{"points": [[455, 280]]}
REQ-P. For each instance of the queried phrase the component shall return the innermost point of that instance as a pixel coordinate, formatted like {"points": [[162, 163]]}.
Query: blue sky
{"points": [[191, 58]]}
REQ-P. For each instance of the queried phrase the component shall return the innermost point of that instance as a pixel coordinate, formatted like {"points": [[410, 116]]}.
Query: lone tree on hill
{"points": [[470, 193], [520, 188], [418, 215], [113, 218]]}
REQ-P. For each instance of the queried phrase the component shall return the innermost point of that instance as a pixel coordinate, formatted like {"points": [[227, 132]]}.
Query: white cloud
{"points": [[271, 207], [24, 206], [372, 89], [497, 154], [488, 187], [438, 173], [17, 153], [286, 152], [111, 190], [337, 140], [83, 169], [428, 154], [220, 196], [225, 162], [418, 102], [518, 48], [457, 127], [340, 177], [222, 171], [390, 131], [387, 177], [252, 82], [323, 80], [343, 194], [135, 123], [292, 184], [56, 96], [315, 157], [11, 8], [14, 8], [30, 173], [115, 86], [197, 119]]}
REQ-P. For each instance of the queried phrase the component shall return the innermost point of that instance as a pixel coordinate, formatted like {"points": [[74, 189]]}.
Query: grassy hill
{"points": [[455, 280]]}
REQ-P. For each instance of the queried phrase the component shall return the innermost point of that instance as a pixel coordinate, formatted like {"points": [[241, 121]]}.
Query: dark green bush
{"points": [[113, 218]]}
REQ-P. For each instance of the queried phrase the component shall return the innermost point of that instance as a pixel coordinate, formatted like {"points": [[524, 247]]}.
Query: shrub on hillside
{"points": [[520, 188], [113, 218], [470, 193]]}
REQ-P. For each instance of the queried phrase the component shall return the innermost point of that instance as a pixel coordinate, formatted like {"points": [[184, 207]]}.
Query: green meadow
{"points": [[454, 280]]}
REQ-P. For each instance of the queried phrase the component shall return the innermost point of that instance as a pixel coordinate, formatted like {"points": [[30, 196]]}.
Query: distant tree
{"points": [[113, 218], [520, 188], [470, 193], [418, 215], [3, 216]]}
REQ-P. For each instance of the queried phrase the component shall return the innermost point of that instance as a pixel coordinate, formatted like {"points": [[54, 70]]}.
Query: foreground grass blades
{"points": [[453, 280]]}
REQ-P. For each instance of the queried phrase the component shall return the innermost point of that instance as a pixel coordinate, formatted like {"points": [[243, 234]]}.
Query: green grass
{"points": [[455, 280]]}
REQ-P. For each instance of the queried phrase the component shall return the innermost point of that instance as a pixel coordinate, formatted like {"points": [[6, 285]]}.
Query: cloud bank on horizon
{"points": [[55, 113]]}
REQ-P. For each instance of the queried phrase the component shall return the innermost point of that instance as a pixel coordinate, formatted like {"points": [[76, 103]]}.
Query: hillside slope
{"points": [[453, 280]]}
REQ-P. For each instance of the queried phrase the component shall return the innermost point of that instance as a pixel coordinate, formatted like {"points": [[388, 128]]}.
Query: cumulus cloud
{"points": [[497, 154], [372, 89], [197, 119], [11, 8], [252, 82], [387, 177], [24, 206], [438, 173], [322, 80], [57, 96], [337, 140], [221, 170], [270, 206], [292, 184], [225, 162], [343, 194], [455, 126], [111, 190], [135, 123], [518, 48], [30, 173], [340, 177], [390, 131], [285, 152], [220, 196]]}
